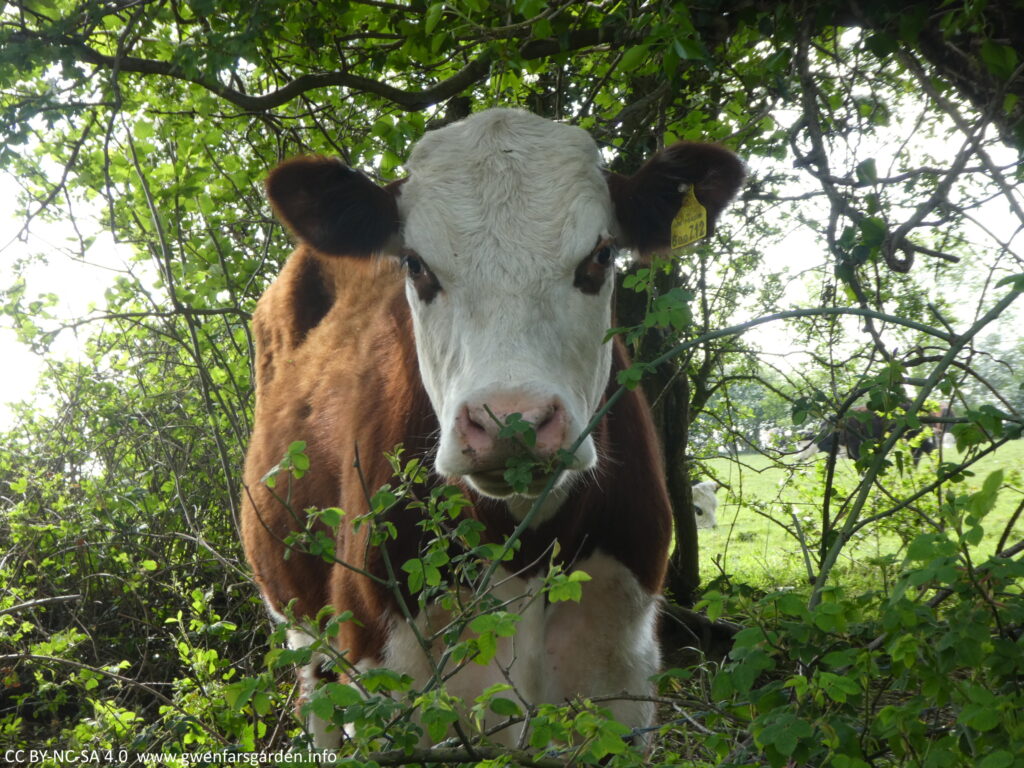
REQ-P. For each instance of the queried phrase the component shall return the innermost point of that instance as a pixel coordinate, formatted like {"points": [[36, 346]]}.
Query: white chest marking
{"points": [[602, 646]]}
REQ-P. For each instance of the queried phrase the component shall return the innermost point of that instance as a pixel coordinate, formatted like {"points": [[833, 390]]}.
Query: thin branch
{"points": [[30, 604], [407, 100]]}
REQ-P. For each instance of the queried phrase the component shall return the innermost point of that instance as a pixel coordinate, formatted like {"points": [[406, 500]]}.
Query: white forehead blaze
{"points": [[502, 208]]}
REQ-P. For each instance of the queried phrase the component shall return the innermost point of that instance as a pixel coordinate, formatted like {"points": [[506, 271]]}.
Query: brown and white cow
{"points": [[495, 301]]}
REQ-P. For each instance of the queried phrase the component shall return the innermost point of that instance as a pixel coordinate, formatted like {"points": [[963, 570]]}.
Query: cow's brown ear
{"points": [[332, 207], [646, 202]]}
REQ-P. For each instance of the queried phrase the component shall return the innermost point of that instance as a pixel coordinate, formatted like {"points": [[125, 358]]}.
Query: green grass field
{"points": [[760, 495]]}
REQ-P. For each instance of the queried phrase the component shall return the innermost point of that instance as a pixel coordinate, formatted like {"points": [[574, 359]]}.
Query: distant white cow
{"points": [[705, 503]]}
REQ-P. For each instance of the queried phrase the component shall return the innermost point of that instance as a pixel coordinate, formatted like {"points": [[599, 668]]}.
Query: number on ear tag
{"points": [[691, 223]]}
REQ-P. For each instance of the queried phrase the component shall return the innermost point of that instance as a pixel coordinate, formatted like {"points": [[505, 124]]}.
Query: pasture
{"points": [[763, 500]]}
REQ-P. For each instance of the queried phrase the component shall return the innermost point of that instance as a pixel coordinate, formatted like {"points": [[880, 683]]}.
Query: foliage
{"points": [[925, 671], [881, 145]]}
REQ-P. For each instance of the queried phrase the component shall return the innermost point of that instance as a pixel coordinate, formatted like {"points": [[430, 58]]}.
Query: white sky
{"points": [[78, 284]]}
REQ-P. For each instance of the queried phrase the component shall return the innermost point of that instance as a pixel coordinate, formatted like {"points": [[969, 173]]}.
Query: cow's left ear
{"points": [[334, 208], [646, 202]]}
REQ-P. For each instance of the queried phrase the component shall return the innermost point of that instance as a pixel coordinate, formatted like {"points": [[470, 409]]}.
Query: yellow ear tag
{"points": [[691, 223]]}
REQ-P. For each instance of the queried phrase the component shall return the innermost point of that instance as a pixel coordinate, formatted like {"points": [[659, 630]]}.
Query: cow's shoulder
{"points": [[323, 308]]}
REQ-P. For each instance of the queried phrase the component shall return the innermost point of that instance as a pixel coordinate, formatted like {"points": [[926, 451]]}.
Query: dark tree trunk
{"points": [[668, 391], [684, 565]]}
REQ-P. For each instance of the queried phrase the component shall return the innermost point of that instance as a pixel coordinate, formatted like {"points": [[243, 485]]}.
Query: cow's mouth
{"points": [[493, 483]]}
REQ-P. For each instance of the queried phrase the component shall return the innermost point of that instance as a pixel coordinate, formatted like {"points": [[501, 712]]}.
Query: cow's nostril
{"points": [[551, 429], [546, 418], [474, 434], [474, 423]]}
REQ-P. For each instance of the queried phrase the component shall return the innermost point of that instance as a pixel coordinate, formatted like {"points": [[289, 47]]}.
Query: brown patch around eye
{"points": [[423, 279], [592, 273]]}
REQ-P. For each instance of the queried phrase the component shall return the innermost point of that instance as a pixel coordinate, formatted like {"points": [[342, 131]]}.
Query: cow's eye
{"points": [[413, 264], [592, 272], [421, 277]]}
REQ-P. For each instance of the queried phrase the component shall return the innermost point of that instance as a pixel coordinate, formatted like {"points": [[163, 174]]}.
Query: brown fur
{"points": [[318, 391]]}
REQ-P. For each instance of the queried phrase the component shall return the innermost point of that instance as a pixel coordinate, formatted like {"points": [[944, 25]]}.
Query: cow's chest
{"points": [[603, 645]]}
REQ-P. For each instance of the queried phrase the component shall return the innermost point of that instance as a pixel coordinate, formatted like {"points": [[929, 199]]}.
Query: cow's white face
{"points": [[506, 231]]}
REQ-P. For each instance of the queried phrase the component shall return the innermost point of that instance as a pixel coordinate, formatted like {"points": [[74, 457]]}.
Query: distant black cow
{"points": [[858, 425], [942, 428]]}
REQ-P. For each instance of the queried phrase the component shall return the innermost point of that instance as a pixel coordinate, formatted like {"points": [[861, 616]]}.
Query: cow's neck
{"points": [[519, 506]]}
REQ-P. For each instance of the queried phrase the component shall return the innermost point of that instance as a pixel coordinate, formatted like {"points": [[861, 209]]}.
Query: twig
{"points": [[29, 604]]}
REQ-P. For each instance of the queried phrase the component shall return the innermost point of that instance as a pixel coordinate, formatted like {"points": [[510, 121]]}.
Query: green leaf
{"points": [[530, 8], [998, 759], [928, 546], [487, 647], [746, 672], [631, 377], [416, 574], [980, 717], [516, 426], [321, 706], [1000, 60], [542, 28], [882, 45], [238, 694], [501, 623], [380, 679], [784, 732], [383, 499], [690, 49], [631, 59], [866, 171], [342, 695], [331, 516], [838, 687], [437, 716], [791, 604], [262, 703], [873, 231], [567, 587], [829, 617], [294, 459], [505, 707], [433, 16], [519, 473], [911, 21], [984, 500]]}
